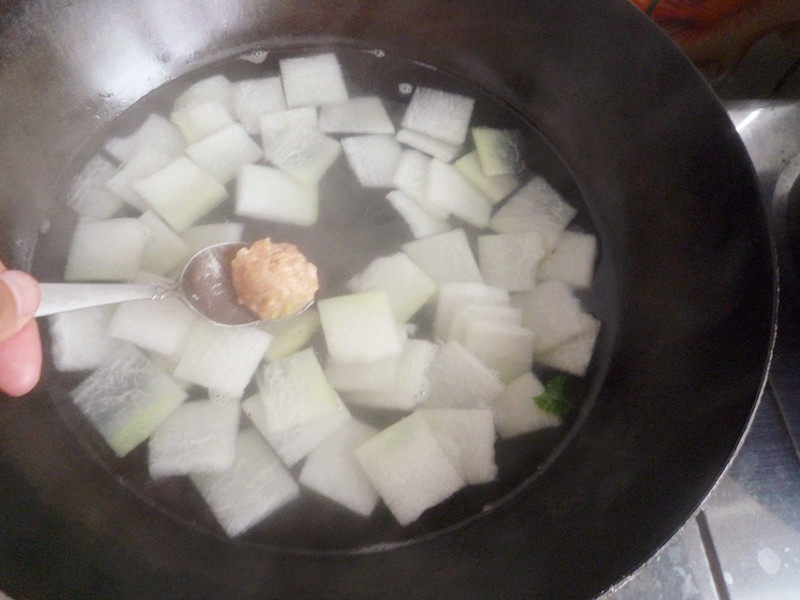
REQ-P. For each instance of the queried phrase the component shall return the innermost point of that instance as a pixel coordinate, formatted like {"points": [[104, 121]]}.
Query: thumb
{"points": [[19, 299]]}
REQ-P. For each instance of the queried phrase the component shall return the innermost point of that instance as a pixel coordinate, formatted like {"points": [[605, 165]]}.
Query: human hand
{"points": [[20, 346]]}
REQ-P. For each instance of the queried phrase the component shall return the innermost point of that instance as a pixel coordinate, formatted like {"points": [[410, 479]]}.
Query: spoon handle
{"points": [[61, 297]]}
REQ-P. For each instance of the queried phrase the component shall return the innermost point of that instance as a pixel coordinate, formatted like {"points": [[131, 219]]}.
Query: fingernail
{"points": [[25, 290]]}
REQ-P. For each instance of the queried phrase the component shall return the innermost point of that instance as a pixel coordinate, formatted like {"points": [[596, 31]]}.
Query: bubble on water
{"points": [[378, 53], [257, 57], [405, 88], [728, 578], [769, 561]]}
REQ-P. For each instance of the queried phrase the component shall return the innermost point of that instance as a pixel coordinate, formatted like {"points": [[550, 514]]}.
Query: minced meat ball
{"points": [[273, 280]]}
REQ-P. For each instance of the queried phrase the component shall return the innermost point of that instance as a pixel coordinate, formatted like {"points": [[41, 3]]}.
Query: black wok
{"points": [[686, 278]]}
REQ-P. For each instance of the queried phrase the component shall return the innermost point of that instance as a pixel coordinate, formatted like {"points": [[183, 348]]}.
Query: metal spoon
{"points": [[205, 285]]}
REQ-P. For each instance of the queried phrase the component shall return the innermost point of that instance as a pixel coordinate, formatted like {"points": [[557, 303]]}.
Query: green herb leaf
{"points": [[553, 400]]}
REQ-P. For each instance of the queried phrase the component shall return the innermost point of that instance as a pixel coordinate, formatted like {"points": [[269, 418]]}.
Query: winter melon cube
{"points": [[142, 164], [498, 150], [445, 257], [160, 326], [127, 399], [535, 207], [408, 468], [439, 114], [572, 260], [506, 349], [181, 193], [255, 97], [294, 443], [155, 132], [105, 250], [313, 80], [304, 153], [365, 115], [411, 176], [88, 195], [516, 412], [465, 314], [197, 437], [221, 358], [200, 117], [495, 188], [222, 153], [373, 159], [420, 220], [273, 125], [331, 469], [407, 286], [80, 340], [510, 260], [255, 485], [459, 380], [455, 295], [467, 437], [164, 249], [359, 327], [574, 355], [198, 237], [375, 376], [292, 335], [272, 195], [429, 145], [555, 314], [216, 88], [449, 191]]}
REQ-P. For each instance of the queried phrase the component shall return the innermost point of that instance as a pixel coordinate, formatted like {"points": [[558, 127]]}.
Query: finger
{"points": [[19, 299], [21, 361]]}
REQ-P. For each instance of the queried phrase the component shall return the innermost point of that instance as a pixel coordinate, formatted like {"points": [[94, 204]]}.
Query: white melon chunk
{"points": [[495, 188], [155, 132], [439, 114], [142, 164], [375, 376], [331, 469], [292, 335], [411, 177], [574, 355], [255, 485], [313, 80], [555, 314], [272, 125], [467, 437], [80, 340], [221, 358], [363, 115], [127, 399], [506, 349], [222, 153], [498, 150], [510, 260], [216, 88], [181, 193], [88, 195], [373, 159], [407, 286], [359, 327], [272, 195], [157, 325], [455, 295], [420, 220], [198, 237], [535, 207], [459, 380], [516, 412], [466, 314], [304, 153], [255, 97], [410, 379], [197, 437], [294, 443], [295, 391], [572, 260], [408, 468], [447, 190], [199, 117], [105, 250], [445, 257], [164, 249], [425, 143]]}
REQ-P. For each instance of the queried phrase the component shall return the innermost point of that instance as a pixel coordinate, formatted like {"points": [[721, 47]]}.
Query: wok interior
{"points": [[684, 249]]}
